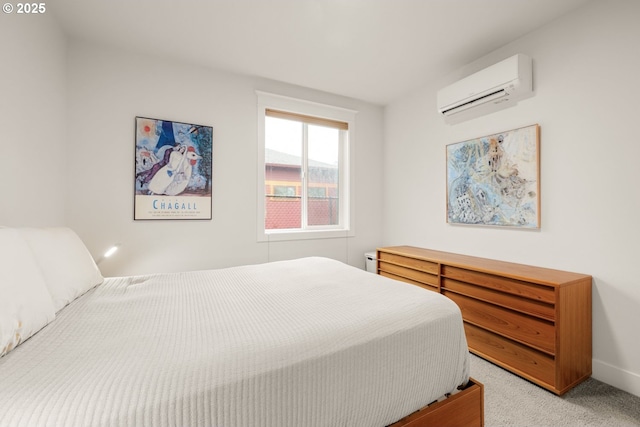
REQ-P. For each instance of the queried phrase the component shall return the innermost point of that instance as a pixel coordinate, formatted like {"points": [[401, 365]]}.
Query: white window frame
{"points": [[346, 205]]}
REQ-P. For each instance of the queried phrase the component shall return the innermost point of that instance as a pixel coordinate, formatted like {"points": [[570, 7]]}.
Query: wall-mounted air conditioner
{"points": [[505, 82]]}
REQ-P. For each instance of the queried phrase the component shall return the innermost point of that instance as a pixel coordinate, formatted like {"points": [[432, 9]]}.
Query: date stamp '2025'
{"points": [[24, 8]]}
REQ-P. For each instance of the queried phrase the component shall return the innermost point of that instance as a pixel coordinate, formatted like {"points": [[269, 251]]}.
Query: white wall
{"points": [[108, 88], [32, 121], [585, 76]]}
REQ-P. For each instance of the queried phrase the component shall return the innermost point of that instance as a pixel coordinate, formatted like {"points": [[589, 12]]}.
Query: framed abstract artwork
{"points": [[173, 176], [494, 180]]}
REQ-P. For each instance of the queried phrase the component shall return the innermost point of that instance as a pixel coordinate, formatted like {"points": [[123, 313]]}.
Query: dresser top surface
{"points": [[524, 272]]}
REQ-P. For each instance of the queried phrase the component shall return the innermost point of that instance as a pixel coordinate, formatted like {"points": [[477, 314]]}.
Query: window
{"points": [[304, 152], [283, 191]]}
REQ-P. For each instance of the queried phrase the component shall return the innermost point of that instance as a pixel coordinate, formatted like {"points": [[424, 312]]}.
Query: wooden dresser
{"points": [[535, 322]]}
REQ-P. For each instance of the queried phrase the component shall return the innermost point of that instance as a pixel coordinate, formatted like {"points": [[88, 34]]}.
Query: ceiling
{"points": [[374, 50]]}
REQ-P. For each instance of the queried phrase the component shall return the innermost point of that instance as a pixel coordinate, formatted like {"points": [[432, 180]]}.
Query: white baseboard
{"points": [[619, 378]]}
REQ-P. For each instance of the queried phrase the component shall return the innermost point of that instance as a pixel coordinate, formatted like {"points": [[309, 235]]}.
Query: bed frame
{"points": [[464, 409]]}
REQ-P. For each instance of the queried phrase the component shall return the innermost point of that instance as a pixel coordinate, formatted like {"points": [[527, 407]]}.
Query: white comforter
{"points": [[309, 342]]}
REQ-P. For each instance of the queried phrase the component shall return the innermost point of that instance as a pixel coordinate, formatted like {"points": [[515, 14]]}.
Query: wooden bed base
{"points": [[464, 409]]}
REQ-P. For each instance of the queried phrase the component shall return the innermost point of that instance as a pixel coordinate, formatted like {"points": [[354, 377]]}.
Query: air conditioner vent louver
{"points": [[482, 99]]}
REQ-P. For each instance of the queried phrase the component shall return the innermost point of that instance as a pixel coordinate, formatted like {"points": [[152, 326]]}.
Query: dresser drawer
{"points": [[525, 305], [501, 283], [408, 273], [519, 327], [515, 356], [413, 282], [414, 263]]}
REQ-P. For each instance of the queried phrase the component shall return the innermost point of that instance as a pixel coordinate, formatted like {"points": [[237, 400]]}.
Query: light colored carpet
{"points": [[512, 401]]}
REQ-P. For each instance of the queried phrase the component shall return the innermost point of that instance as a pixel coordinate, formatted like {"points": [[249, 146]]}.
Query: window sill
{"points": [[284, 235]]}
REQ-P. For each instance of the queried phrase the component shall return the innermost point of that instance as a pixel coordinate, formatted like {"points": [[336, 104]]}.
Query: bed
{"points": [[306, 342]]}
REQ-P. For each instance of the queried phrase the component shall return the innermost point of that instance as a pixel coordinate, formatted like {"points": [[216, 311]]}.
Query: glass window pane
{"points": [[283, 181], [322, 185]]}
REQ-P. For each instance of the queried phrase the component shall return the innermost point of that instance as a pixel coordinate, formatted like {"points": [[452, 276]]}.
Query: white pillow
{"points": [[25, 302], [67, 266]]}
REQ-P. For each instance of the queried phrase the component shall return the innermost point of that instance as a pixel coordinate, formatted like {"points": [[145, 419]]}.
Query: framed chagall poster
{"points": [[173, 170], [494, 180]]}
